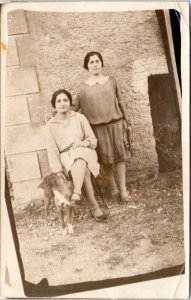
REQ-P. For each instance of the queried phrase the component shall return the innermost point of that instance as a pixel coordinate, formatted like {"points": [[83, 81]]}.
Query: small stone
{"points": [[144, 235], [132, 206]]}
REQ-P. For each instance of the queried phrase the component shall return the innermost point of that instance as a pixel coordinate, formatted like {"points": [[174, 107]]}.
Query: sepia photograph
{"points": [[93, 147]]}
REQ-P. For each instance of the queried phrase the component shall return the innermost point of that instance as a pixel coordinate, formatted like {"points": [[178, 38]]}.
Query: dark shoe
{"points": [[101, 218], [75, 198], [124, 196]]}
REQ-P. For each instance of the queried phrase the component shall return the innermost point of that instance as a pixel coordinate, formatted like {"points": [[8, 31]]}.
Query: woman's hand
{"points": [[128, 128], [49, 116], [93, 144]]}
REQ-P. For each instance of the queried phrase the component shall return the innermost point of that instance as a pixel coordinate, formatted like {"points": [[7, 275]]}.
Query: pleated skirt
{"points": [[111, 148]]}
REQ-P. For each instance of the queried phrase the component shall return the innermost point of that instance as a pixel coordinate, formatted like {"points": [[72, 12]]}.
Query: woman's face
{"points": [[94, 65], [62, 103]]}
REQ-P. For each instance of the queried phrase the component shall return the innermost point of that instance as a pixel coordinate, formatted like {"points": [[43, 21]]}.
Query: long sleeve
{"points": [[53, 152], [122, 104], [88, 132]]}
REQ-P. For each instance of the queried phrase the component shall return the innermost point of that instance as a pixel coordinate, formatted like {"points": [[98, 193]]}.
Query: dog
{"points": [[59, 188]]}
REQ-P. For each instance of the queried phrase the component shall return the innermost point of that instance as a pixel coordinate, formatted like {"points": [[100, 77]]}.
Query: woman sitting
{"points": [[70, 144]]}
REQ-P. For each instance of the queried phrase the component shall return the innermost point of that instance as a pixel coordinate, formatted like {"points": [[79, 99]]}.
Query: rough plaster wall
{"points": [[131, 45], [132, 48], [57, 43]]}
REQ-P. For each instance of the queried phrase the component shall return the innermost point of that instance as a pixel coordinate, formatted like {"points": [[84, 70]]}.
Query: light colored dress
{"points": [[61, 137]]}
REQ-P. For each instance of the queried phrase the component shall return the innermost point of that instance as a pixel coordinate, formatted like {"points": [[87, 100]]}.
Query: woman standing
{"points": [[70, 144], [100, 101]]}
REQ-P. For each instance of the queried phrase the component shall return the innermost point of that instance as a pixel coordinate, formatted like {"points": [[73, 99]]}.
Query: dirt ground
{"points": [[141, 236]]}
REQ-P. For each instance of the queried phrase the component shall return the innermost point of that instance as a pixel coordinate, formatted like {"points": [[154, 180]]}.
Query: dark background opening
{"points": [[175, 22], [165, 121], [163, 97]]}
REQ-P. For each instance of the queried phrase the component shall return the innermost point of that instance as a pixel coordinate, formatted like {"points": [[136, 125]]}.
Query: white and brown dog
{"points": [[59, 188]]}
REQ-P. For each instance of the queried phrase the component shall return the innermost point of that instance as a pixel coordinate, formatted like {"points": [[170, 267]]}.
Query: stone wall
{"points": [[46, 52], [24, 137]]}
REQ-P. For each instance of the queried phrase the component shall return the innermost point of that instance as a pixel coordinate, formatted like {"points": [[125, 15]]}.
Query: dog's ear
{"points": [[41, 185], [63, 176], [51, 180], [46, 183]]}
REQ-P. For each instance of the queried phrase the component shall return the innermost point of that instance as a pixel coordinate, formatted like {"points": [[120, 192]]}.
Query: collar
{"points": [[98, 81], [54, 120]]}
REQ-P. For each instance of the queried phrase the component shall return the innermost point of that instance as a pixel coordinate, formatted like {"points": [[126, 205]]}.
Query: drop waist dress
{"points": [[100, 103]]}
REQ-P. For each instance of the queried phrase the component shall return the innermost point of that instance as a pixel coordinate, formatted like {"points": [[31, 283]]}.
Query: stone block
{"points": [[16, 111], [21, 81], [12, 54], [25, 192], [43, 162], [17, 22], [35, 108], [24, 138], [27, 58], [23, 167]]}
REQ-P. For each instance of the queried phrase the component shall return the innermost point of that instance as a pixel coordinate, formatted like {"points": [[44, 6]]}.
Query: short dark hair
{"points": [[87, 58], [55, 94]]}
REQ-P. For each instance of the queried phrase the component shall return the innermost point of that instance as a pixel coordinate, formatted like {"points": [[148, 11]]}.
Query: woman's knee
{"points": [[78, 165], [80, 161]]}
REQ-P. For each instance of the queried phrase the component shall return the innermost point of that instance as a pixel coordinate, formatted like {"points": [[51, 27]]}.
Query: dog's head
{"points": [[58, 183]]}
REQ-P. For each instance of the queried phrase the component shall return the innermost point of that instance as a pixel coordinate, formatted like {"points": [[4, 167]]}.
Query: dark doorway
{"points": [[163, 103], [175, 19]]}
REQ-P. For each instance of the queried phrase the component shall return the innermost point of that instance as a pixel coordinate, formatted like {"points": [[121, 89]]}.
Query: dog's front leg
{"points": [[46, 206], [61, 219], [70, 219]]}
